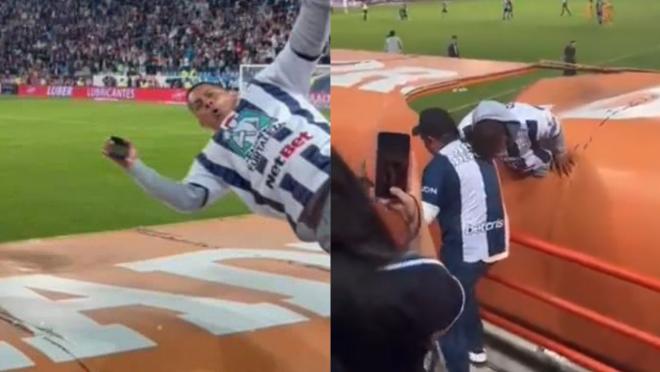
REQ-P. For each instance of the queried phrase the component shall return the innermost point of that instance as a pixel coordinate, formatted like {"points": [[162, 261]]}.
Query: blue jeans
{"points": [[468, 332]]}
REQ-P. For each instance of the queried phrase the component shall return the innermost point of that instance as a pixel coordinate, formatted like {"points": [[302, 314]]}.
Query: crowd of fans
{"points": [[68, 41]]}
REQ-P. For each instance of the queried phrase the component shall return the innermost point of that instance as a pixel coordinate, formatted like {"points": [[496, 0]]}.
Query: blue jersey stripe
{"points": [[299, 192], [282, 134], [313, 155], [291, 103], [494, 207], [234, 179]]}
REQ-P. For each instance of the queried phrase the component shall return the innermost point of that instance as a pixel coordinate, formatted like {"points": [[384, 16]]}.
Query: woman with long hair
{"points": [[388, 305]]}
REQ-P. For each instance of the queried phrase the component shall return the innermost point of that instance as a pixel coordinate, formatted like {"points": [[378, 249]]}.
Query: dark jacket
{"points": [[383, 319], [452, 50]]}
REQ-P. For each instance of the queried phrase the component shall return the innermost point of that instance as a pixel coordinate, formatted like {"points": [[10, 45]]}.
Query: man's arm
{"points": [[294, 66], [552, 135], [183, 197]]}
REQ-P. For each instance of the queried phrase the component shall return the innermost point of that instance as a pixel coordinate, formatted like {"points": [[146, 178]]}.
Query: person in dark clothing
{"points": [[365, 10], [569, 57], [564, 8], [387, 305], [452, 50]]}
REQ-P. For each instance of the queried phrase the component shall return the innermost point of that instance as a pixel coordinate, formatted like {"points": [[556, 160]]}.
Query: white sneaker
{"points": [[478, 357]]}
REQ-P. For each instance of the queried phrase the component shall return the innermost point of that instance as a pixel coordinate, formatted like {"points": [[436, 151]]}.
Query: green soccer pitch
{"points": [[55, 181], [536, 32]]}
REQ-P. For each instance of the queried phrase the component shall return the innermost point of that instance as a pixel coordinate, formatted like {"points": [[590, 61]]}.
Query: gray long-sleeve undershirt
{"points": [[312, 27], [183, 197]]}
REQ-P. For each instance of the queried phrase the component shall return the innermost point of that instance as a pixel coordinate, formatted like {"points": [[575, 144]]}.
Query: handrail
{"points": [[577, 357], [582, 312], [586, 261]]}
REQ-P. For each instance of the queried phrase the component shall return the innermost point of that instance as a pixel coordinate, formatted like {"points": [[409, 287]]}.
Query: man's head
{"points": [[392, 33], [211, 104], [454, 38], [572, 42], [436, 128], [494, 126], [488, 138]]}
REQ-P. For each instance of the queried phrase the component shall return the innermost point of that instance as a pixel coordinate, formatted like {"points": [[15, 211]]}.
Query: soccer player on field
{"points": [[444, 7], [538, 142], [599, 11], [270, 145], [365, 10], [564, 8], [403, 12], [508, 10]]}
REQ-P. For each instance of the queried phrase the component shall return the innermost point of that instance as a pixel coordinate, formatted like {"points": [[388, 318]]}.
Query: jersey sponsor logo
{"points": [[284, 155], [248, 134], [429, 190], [485, 227]]}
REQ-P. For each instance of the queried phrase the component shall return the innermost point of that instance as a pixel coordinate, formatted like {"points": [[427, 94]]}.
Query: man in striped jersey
{"points": [[461, 192], [270, 145], [539, 143]]}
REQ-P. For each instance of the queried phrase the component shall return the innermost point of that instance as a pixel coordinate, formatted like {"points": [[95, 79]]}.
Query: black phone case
{"points": [[119, 148], [392, 162]]}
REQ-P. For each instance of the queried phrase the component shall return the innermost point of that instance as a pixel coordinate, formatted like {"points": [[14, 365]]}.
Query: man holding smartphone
{"points": [[270, 146], [461, 192]]}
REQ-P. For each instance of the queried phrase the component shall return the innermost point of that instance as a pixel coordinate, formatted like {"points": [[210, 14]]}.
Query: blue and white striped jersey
{"points": [[463, 192], [274, 151], [537, 126]]}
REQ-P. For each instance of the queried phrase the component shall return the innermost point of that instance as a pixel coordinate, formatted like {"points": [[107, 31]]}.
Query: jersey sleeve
{"points": [[199, 175], [432, 181]]}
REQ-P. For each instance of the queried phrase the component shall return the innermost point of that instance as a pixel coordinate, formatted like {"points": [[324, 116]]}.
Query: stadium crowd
{"points": [[68, 41]]}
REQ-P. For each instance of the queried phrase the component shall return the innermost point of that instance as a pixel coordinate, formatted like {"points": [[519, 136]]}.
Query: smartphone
{"points": [[392, 162], [119, 148]]}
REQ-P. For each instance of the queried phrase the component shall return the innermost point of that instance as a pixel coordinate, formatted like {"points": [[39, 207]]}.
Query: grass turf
{"points": [[55, 181], [537, 32]]}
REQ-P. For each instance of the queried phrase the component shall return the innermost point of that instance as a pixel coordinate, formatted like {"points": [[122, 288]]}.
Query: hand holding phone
{"points": [[118, 149], [392, 162], [121, 151]]}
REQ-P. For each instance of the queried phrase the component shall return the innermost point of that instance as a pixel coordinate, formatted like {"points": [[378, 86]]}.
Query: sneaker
{"points": [[478, 357]]}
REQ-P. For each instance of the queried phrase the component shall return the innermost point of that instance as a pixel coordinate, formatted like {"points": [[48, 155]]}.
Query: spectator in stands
{"points": [[68, 38], [461, 192]]}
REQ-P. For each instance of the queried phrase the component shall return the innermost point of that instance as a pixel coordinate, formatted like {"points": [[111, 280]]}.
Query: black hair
{"points": [[392, 33], [197, 85], [485, 138], [357, 230]]}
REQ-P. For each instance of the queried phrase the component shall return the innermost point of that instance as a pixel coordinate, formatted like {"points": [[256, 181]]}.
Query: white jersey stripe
{"points": [[473, 211]]}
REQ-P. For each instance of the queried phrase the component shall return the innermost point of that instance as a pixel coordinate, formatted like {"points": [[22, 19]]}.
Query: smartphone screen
{"points": [[392, 161]]}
